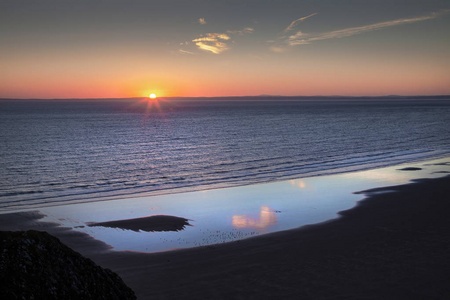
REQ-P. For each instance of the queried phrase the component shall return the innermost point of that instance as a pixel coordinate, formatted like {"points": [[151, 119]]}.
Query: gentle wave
{"points": [[66, 152], [136, 190]]}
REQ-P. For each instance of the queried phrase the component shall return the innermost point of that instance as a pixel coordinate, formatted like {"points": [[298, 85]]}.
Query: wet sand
{"points": [[392, 245]]}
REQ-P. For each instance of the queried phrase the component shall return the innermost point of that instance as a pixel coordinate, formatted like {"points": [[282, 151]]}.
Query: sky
{"points": [[179, 48]]}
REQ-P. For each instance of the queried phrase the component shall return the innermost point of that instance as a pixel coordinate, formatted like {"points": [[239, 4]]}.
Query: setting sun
{"points": [[152, 96]]}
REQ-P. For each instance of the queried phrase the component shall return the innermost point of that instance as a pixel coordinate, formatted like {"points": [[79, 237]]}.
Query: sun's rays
{"points": [[149, 105]]}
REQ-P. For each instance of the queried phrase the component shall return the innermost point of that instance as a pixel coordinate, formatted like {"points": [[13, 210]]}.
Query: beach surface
{"points": [[392, 245]]}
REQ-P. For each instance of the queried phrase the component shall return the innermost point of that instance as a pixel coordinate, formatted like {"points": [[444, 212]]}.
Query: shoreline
{"points": [[229, 214], [226, 185], [391, 244]]}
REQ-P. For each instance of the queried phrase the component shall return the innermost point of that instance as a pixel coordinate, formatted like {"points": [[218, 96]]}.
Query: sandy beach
{"points": [[392, 245]]}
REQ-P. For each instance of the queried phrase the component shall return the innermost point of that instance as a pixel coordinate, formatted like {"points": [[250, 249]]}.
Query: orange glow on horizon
{"points": [[311, 82]]}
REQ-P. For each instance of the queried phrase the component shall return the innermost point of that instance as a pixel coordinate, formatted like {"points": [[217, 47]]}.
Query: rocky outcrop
{"points": [[36, 265]]}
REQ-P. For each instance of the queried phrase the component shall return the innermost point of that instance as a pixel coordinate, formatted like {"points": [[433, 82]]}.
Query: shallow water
{"points": [[229, 214]]}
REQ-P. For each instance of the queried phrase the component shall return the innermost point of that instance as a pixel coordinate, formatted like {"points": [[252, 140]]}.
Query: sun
{"points": [[152, 96]]}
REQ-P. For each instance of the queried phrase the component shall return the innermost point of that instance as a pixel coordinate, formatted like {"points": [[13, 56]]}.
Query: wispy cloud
{"points": [[218, 42], [295, 22], [202, 21], [301, 38], [185, 52], [213, 42], [241, 32]]}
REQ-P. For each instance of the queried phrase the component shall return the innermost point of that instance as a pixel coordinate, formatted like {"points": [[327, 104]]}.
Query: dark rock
{"points": [[36, 265], [410, 169], [150, 223]]}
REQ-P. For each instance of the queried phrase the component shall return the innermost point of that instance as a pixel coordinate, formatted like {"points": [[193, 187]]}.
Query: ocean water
{"points": [[67, 151]]}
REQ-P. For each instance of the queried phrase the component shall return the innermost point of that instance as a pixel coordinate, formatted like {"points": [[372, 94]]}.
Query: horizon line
{"points": [[236, 97]]}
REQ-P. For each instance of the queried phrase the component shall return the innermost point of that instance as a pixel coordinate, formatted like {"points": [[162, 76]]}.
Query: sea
{"points": [[64, 151]]}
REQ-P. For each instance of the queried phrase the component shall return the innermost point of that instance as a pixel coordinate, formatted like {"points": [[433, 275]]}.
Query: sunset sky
{"points": [[118, 48]]}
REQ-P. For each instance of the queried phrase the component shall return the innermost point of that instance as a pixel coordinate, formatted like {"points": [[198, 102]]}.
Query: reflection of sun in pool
{"points": [[152, 96]]}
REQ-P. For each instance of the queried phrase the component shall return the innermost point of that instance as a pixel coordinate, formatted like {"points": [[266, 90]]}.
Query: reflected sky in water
{"points": [[229, 214], [267, 217]]}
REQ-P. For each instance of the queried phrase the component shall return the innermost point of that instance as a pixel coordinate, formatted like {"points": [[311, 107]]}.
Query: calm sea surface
{"points": [[62, 151]]}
